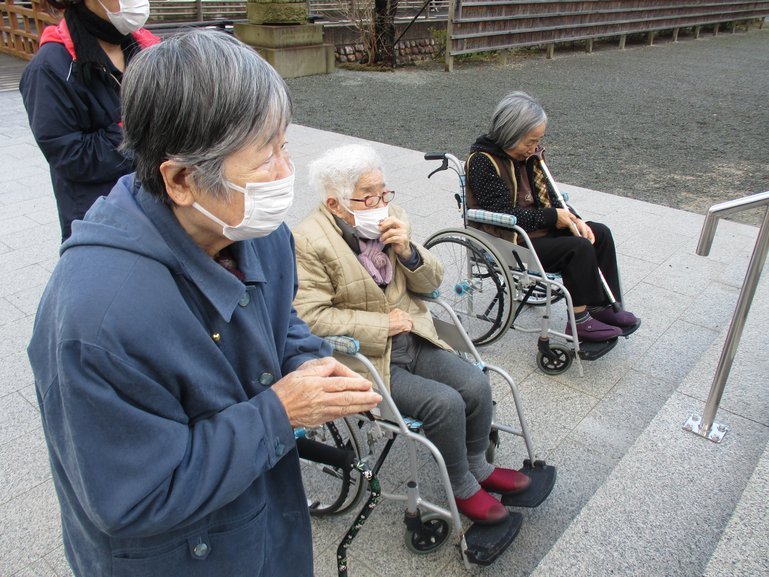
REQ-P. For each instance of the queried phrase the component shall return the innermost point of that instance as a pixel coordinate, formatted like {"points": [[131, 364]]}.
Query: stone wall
{"points": [[406, 51], [417, 44]]}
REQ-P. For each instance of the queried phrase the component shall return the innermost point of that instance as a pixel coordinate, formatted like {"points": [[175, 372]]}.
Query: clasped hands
{"points": [[578, 227], [322, 390]]}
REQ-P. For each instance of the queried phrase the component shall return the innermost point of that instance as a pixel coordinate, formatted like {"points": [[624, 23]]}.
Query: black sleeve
{"points": [[492, 194]]}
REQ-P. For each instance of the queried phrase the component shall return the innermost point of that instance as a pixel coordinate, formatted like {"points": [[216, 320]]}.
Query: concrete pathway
{"points": [[627, 472]]}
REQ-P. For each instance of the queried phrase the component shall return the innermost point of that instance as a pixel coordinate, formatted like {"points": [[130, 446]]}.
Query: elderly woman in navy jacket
{"points": [[71, 90], [169, 364]]}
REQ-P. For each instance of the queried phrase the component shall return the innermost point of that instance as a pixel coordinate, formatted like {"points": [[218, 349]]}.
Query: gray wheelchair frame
{"points": [[428, 523], [484, 279]]}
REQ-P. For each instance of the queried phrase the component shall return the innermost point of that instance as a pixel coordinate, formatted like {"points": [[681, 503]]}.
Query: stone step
{"points": [[670, 501], [742, 549]]}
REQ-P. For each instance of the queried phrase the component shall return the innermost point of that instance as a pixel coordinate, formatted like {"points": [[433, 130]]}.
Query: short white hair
{"points": [[337, 172]]}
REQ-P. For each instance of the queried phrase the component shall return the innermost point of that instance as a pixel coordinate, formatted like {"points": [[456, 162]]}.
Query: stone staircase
{"points": [[677, 504]]}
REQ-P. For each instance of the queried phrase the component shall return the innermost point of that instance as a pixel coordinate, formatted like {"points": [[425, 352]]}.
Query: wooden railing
{"points": [[484, 25], [20, 26]]}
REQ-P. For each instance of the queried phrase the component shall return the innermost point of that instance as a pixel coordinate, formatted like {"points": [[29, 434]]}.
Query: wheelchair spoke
{"points": [[332, 490], [473, 285]]}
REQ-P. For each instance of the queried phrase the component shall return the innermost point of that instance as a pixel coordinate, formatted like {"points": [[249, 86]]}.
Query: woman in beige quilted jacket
{"points": [[358, 275]]}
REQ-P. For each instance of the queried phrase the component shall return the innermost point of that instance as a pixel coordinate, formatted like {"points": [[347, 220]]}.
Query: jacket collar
{"points": [[60, 34], [485, 144], [220, 287], [348, 232]]}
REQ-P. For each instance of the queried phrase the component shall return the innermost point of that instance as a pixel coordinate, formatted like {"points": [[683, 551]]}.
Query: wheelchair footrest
{"points": [[542, 482], [485, 543], [591, 351]]}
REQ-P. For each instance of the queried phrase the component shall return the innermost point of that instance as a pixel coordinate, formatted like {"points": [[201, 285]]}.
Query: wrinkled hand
{"points": [[322, 390], [396, 234], [578, 227], [584, 230], [565, 219], [400, 322]]}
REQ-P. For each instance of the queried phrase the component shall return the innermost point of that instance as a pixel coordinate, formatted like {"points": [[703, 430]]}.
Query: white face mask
{"points": [[132, 15], [367, 221], [266, 206]]}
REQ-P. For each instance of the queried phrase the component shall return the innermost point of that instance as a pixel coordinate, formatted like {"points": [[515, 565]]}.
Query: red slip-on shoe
{"points": [[482, 508], [506, 481]]}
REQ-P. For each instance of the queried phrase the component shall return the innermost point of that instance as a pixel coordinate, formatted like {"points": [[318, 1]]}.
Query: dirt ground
{"points": [[682, 124]]}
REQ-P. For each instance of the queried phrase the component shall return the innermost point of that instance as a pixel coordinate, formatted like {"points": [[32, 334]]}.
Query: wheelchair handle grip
{"points": [[437, 156], [320, 453]]}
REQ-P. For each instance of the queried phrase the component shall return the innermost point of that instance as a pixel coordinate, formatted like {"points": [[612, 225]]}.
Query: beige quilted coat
{"points": [[338, 297]]}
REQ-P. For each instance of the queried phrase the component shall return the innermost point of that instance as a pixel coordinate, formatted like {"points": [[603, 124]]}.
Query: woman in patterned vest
{"points": [[504, 175]]}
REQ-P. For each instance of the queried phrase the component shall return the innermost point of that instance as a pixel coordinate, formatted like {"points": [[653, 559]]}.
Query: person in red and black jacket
{"points": [[71, 90]]}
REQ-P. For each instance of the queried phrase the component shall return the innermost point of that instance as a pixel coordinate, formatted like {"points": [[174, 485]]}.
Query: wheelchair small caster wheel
{"points": [[431, 536], [557, 363]]}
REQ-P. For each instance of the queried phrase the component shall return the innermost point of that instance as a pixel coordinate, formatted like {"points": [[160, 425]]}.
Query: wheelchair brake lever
{"points": [[444, 165]]}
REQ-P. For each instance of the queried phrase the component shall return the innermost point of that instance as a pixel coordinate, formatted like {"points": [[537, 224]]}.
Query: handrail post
{"points": [[705, 426]]}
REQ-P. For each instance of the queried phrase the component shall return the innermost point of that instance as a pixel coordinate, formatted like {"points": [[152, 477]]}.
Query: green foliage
{"points": [[439, 36]]}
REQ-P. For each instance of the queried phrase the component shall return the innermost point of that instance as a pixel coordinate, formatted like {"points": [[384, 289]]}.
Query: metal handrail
{"points": [[705, 426]]}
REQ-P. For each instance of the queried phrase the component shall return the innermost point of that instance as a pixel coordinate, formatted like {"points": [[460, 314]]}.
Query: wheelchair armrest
{"points": [[431, 296], [342, 344], [494, 218]]}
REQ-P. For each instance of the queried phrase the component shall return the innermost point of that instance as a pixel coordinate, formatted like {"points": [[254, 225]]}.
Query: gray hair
{"points": [[337, 172], [197, 98], [516, 115]]}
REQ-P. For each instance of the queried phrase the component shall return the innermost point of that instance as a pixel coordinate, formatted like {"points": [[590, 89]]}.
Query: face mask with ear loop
{"points": [[132, 15], [265, 208], [367, 221]]}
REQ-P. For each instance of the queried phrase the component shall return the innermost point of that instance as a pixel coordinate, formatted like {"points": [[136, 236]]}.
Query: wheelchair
{"points": [[489, 281], [343, 458]]}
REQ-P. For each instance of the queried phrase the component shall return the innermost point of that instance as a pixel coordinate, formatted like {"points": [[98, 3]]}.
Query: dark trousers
{"points": [[578, 262]]}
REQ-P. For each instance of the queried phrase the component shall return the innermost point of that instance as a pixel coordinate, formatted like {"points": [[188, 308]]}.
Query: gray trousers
{"points": [[452, 398]]}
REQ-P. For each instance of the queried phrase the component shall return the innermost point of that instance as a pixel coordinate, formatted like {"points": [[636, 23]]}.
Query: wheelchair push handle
{"points": [[449, 161]]}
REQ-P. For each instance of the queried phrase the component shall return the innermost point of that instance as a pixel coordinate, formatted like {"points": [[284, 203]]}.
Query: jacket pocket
{"points": [[230, 550]]}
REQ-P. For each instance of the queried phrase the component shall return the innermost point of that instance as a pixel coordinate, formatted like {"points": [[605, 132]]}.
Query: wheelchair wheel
{"points": [[332, 490], [430, 537], [558, 363], [538, 296], [475, 284]]}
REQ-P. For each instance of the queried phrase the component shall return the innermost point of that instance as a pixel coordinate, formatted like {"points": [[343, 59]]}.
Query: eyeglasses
{"points": [[374, 199]]}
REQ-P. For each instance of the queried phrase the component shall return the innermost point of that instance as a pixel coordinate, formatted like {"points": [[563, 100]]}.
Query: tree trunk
{"points": [[384, 31]]}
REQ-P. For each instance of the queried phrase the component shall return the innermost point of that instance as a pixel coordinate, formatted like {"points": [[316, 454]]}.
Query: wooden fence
{"points": [[483, 25], [473, 25], [330, 10], [20, 26]]}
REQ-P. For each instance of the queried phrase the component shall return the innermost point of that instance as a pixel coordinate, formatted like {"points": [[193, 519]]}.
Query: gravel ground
{"points": [[681, 124]]}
